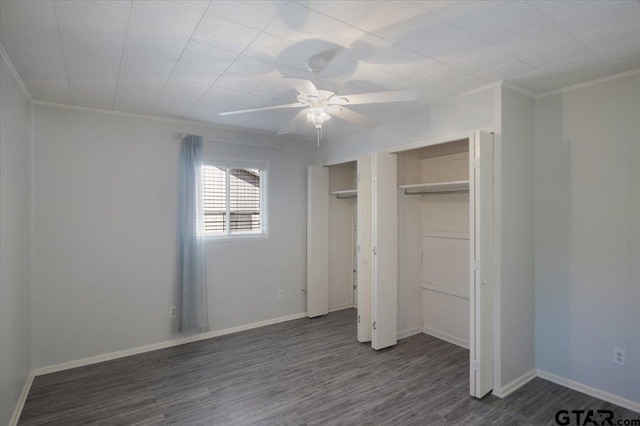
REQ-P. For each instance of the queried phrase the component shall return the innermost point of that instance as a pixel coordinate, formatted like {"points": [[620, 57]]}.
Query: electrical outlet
{"points": [[619, 356], [280, 294], [172, 311]]}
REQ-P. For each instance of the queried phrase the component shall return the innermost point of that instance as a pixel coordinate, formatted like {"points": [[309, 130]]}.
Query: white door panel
{"points": [[385, 240], [364, 247], [482, 278], [317, 241]]}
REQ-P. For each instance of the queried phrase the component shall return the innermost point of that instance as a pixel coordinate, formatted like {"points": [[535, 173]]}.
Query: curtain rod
{"points": [[178, 135]]}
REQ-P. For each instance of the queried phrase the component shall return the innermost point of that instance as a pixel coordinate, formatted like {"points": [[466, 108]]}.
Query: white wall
{"points": [[15, 241], [587, 234], [513, 215], [105, 234]]}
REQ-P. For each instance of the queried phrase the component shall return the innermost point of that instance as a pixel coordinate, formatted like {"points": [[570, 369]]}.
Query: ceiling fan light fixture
{"points": [[318, 116]]}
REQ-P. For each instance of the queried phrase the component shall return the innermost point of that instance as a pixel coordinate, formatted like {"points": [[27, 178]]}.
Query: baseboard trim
{"points": [[408, 333], [161, 345], [23, 398], [514, 385], [588, 390], [341, 307], [446, 337]]}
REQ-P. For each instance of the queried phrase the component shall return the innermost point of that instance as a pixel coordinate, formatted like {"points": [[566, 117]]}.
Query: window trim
{"points": [[228, 163]]}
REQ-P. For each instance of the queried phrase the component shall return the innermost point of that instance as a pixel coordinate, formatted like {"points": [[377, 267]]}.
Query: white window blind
{"points": [[233, 200]]}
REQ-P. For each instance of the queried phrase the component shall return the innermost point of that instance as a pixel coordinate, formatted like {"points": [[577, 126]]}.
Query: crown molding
{"points": [[173, 120], [470, 92], [591, 82], [519, 89], [495, 84], [5, 56]]}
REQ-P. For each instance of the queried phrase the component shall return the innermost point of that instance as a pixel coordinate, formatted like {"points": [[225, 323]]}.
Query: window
{"points": [[233, 200]]}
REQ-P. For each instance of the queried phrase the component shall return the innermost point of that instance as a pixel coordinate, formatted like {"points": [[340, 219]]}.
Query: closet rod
{"points": [[178, 135], [408, 192]]}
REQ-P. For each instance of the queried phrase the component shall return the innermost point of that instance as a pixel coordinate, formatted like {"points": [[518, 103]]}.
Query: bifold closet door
{"points": [[365, 228], [317, 241], [481, 291], [385, 251]]}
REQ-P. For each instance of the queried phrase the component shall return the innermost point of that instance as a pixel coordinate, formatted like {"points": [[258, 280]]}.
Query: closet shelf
{"points": [[452, 187], [347, 193]]}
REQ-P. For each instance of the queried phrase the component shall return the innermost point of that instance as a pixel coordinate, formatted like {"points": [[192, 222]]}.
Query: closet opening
{"points": [[445, 247], [334, 281], [342, 236], [433, 222]]}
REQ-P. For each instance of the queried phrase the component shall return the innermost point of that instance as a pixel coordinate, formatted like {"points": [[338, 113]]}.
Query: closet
{"points": [[371, 180], [424, 244], [434, 219], [342, 235], [445, 244], [338, 275]]}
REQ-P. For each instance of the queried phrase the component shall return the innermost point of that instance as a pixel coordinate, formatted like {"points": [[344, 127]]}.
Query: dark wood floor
{"points": [[303, 372]]}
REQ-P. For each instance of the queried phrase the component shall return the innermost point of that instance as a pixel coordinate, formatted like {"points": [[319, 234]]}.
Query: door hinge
{"points": [[476, 163], [374, 251], [474, 265], [374, 325], [358, 248], [358, 177], [475, 365], [358, 319]]}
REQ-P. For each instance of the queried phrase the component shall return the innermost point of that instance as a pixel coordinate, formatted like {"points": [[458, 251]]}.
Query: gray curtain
{"points": [[191, 251]]}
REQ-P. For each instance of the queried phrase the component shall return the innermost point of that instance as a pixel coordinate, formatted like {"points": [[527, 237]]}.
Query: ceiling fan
{"points": [[320, 105]]}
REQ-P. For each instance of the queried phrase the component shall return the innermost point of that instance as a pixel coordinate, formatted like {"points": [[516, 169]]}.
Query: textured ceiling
{"points": [[194, 59]]}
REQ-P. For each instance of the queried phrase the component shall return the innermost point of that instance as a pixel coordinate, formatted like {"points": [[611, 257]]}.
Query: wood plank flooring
{"points": [[302, 372]]}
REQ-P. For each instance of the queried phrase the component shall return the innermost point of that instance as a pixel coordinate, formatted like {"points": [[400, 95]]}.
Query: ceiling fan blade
{"points": [[288, 128], [375, 97], [352, 117], [303, 86], [242, 111]]}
